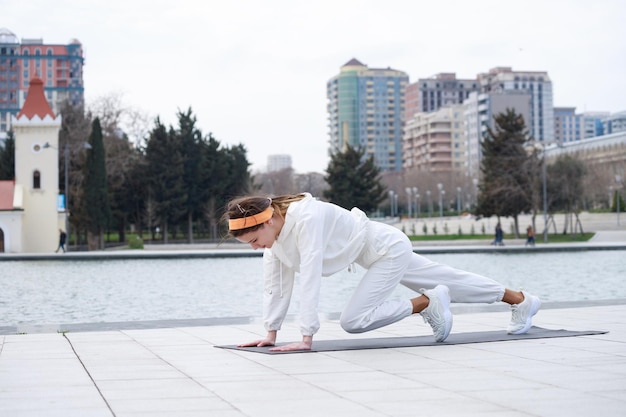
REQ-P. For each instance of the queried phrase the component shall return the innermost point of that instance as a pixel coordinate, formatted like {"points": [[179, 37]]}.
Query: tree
{"points": [[354, 181], [189, 139], [565, 188], [617, 201], [164, 172], [7, 158], [96, 194], [506, 187], [277, 182], [75, 129]]}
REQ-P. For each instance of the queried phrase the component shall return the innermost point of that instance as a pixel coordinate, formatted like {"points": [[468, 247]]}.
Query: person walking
{"points": [[530, 236], [62, 239], [498, 240], [299, 233]]}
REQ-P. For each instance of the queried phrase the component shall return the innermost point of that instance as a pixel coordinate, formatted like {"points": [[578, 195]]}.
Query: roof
{"points": [[7, 189], [36, 103], [354, 62]]}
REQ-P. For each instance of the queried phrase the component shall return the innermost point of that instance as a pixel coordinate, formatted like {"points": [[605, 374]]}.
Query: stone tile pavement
{"points": [[178, 372]]}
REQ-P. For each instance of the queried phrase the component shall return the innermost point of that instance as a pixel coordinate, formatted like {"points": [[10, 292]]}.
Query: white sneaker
{"points": [[522, 318], [438, 314]]}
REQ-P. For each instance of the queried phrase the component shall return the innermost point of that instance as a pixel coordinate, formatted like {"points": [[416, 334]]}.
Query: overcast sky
{"points": [[255, 72]]}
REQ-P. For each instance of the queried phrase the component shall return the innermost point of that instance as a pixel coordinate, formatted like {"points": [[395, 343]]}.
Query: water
{"points": [[37, 292]]}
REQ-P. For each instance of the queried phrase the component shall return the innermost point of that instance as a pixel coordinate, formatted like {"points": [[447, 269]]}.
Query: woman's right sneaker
{"points": [[522, 317], [438, 314]]}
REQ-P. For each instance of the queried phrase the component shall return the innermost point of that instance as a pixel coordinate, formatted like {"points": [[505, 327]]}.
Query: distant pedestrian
{"points": [[530, 236], [498, 241], [62, 239]]}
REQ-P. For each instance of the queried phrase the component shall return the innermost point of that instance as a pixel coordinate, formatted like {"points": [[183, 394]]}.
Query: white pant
{"points": [[389, 258]]}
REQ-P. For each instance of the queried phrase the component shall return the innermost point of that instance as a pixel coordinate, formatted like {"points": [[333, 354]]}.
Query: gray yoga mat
{"points": [[399, 342]]}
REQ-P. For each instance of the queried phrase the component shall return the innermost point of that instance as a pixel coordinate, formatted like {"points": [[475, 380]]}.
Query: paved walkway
{"points": [[178, 372]]}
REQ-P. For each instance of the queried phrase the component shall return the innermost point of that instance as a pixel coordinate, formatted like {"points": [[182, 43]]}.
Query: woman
{"points": [[315, 238]]}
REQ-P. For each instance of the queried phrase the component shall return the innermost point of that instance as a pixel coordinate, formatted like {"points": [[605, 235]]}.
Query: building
{"points": [[435, 142], [278, 162], [568, 126], [365, 110], [60, 67], [593, 123], [30, 216], [535, 83], [614, 123], [480, 111], [442, 90]]}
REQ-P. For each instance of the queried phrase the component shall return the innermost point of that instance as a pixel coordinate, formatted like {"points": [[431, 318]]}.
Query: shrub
{"points": [[135, 242]]}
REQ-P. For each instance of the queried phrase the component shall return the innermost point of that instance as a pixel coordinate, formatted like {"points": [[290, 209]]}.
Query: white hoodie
{"points": [[318, 239]]}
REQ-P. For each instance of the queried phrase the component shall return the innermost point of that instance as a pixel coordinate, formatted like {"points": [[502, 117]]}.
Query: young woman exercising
{"points": [[313, 238]]}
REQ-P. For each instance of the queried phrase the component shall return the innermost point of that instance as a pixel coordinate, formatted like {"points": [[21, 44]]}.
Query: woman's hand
{"points": [[306, 343], [270, 340]]}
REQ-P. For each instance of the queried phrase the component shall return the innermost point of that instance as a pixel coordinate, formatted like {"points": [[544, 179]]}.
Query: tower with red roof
{"points": [[29, 218]]}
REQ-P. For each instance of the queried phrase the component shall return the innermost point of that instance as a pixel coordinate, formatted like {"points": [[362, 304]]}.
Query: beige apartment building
{"points": [[435, 142]]}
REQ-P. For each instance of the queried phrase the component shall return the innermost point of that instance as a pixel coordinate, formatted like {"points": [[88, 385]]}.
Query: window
{"points": [[36, 180]]}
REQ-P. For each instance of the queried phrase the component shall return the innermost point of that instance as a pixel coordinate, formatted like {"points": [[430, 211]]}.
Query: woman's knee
{"points": [[351, 324]]}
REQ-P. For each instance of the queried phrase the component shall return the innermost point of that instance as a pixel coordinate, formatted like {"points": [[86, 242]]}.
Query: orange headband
{"points": [[250, 221]]}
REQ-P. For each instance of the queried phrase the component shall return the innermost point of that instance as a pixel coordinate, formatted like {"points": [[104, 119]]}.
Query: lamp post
{"points": [[458, 200], [66, 157], [395, 203], [391, 203], [416, 209], [430, 204], [408, 200], [475, 182], [618, 180], [441, 193], [545, 194]]}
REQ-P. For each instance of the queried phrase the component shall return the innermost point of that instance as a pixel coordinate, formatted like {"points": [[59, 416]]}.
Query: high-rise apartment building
{"points": [[365, 110], [435, 142], [568, 126], [480, 111], [538, 85], [60, 67], [431, 94]]}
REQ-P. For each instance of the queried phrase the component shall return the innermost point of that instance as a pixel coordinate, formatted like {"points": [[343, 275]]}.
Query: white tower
{"points": [[37, 170]]}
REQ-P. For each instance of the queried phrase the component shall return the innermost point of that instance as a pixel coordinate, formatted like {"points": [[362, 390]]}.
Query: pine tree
{"points": [[96, 195], [354, 181], [7, 158], [165, 170], [506, 187], [189, 138]]}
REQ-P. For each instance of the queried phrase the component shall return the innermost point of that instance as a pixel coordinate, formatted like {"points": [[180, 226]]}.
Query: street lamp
{"points": [[475, 182], [390, 203], [545, 194], [416, 209], [430, 204], [441, 193], [618, 180], [408, 200], [458, 200]]}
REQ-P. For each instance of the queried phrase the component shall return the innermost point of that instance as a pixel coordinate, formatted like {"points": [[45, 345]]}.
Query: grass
{"points": [[552, 238]]}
